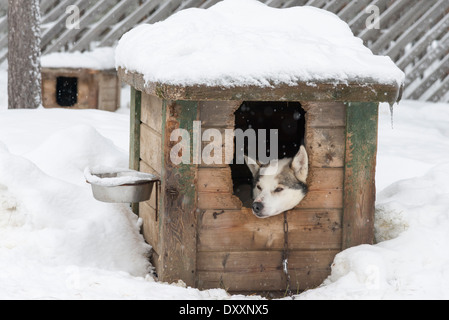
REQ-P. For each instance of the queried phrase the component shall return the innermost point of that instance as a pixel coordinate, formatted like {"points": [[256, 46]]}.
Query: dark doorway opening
{"points": [[66, 91], [287, 117]]}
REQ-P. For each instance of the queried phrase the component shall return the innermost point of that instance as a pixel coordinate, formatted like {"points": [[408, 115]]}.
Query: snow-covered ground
{"points": [[57, 242]]}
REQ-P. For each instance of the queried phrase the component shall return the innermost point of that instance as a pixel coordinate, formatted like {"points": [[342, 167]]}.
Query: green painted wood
{"points": [[134, 152], [360, 170], [178, 225]]}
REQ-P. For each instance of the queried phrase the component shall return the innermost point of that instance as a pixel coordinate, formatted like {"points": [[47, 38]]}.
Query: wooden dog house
{"points": [[200, 231], [80, 88]]}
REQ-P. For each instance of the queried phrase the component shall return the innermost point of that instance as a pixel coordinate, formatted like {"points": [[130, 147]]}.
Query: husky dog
{"points": [[280, 185]]}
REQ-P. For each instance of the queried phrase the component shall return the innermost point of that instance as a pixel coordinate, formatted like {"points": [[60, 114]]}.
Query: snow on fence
{"points": [[414, 33]]}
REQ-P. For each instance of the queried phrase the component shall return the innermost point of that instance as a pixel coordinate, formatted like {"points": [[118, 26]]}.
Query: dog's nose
{"points": [[257, 207]]}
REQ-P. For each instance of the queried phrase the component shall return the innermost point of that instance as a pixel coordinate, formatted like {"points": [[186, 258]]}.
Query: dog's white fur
{"points": [[281, 186]]}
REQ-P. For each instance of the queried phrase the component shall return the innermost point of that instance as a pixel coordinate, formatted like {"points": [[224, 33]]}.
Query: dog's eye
{"points": [[259, 187], [279, 190]]}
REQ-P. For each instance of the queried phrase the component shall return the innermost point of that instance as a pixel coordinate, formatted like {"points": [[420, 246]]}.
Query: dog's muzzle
{"points": [[258, 208]]}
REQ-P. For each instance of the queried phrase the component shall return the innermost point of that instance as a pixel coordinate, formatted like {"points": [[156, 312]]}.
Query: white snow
{"points": [[245, 42], [98, 59]]}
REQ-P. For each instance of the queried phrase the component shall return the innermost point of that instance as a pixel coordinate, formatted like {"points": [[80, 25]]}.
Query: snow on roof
{"points": [[98, 59], [245, 42]]}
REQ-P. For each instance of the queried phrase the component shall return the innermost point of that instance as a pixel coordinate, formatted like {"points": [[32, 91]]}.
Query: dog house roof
{"points": [[244, 49]]}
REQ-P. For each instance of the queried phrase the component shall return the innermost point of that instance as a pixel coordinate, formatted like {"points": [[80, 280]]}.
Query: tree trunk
{"points": [[24, 53]]}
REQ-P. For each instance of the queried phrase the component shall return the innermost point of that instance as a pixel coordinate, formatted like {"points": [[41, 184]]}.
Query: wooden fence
{"points": [[414, 33]]}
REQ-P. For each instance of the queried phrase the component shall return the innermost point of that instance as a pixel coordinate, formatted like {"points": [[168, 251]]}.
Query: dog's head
{"points": [[280, 185]]}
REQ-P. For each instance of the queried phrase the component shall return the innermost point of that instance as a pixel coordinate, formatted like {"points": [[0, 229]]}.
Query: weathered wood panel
{"points": [[240, 230], [218, 114], [109, 91], [211, 180], [151, 147], [360, 170], [135, 115], [321, 179], [150, 228], [332, 90], [152, 112], [244, 271], [331, 199], [155, 194], [325, 114], [326, 147], [179, 201], [216, 149], [134, 144]]}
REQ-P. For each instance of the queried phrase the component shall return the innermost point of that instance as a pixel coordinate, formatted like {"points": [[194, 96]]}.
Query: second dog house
{"points": [[81, 80], [197, 222]]}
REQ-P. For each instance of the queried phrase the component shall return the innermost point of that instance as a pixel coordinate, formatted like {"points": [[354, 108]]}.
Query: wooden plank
{"points": [[325, 179], [362, 90], [308, 270], [135, 112], [164, 11], [336, 5], [325, 114], [218, 201], [112, 16], [326, 147], [60, 23], [358, 22], [328, 199], [69, 35], [129, 22], [218, 114], [428, 59], [215, 180], [179, 201], [57, 11], [189, 4], [386, 16], [315, 229], [209, 3], [352, 8], [134, 152], [240, 230], [440, 71], [417, 51], [108, 91], [152, 112], [419, 26], [216, 153], [360, 169], [439, 93], [155, 194], [150, 229], [262, 270], [404, 22], [151, 147]]}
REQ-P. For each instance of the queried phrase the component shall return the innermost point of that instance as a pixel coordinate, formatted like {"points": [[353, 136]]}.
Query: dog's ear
{"points": [[300, 165], [253, 165]]}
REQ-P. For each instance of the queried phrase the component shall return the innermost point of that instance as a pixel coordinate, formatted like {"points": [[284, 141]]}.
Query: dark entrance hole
{"points": [[287, 117], [66, 91]]}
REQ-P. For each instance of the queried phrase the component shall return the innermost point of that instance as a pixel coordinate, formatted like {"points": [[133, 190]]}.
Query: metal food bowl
{"points": [[121, 186]]}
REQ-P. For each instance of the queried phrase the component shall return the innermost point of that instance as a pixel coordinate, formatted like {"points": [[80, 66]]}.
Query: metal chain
{"points": [[285, 255]]}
